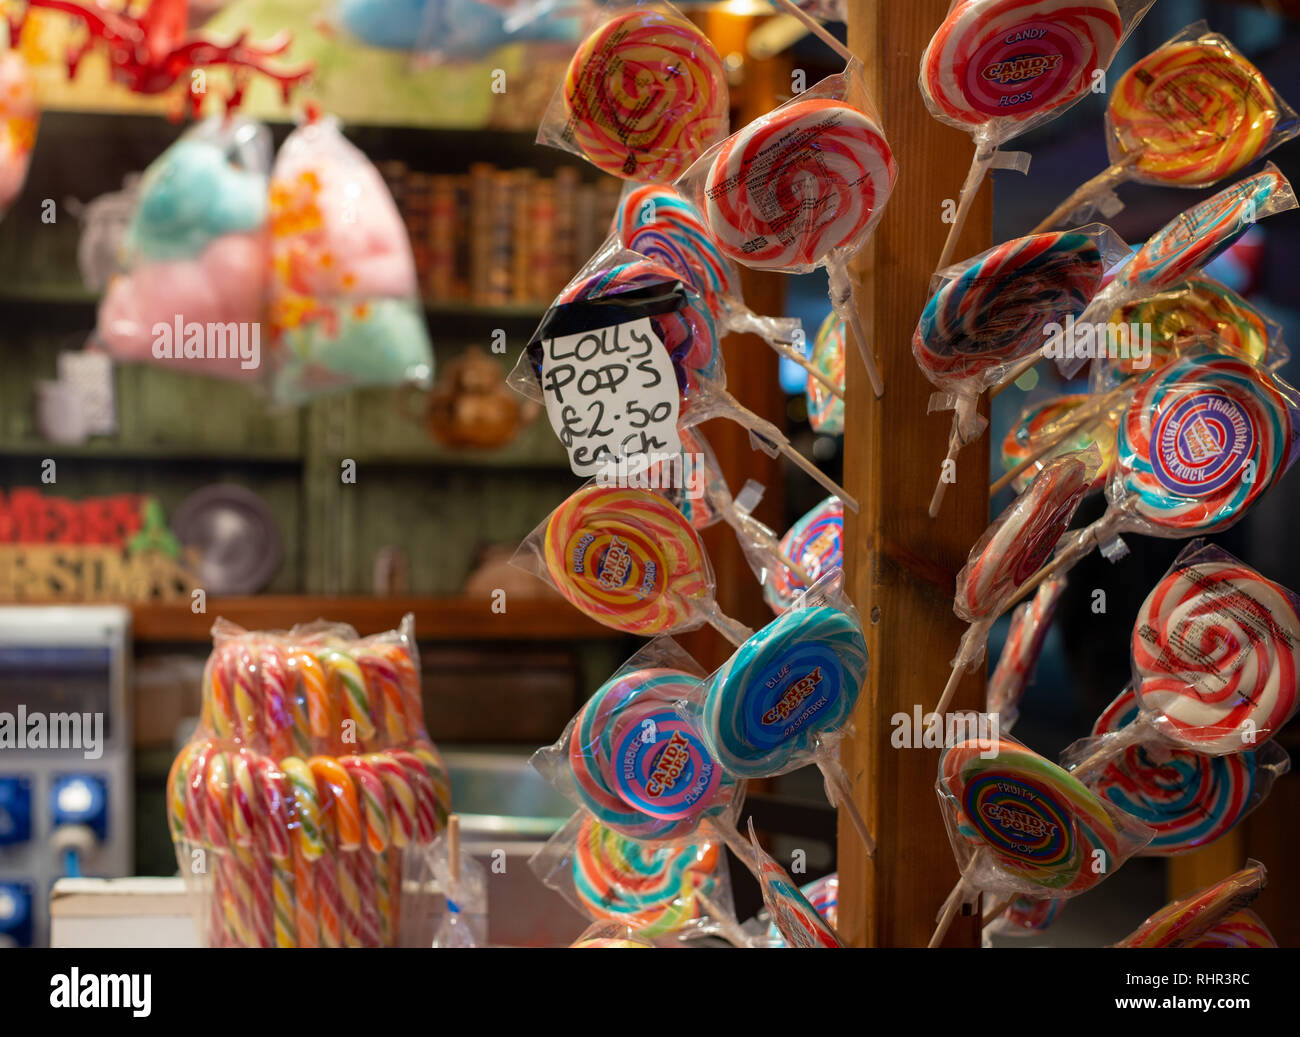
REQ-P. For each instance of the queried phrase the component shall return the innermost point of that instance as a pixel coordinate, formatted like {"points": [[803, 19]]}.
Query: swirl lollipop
{"points": [[1241, 929], [662, 225], [1187, 920], [1030, 625], [629, 560], [1189, 114], [1058, 425], [816, 545], [801, 187], [799, 923], [996, 67], [823, 896], [825, 409], [1021, 824], [1024, 916], [1009, 552], [644, 96], [771, 706], [992, 315]]}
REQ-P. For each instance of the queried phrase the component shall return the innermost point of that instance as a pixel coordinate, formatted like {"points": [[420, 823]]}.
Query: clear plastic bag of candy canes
{"points": [[300, 807], [675, 891], [607, 356], [629, 560], [802, 187], [1189, 114], [636, 761], [644, 95], [196, 245], [1011, 550], [610, 936], [989, 314], [786, 696], [1030, 625], [1202, 439], [344, 301], [1184, 921], [800, 924], [1215, 649], [659, 223], [815, 546], [1188, 797], [1182, 248], [997, 68], [1021, 825], [699, 491]]}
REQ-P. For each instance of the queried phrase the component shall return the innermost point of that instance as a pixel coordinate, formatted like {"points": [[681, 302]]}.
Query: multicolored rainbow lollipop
{"points": [[629, 560], [980, 323], [825, 409], [1047, 422], [1187, 920], [799, 922], [1241, 929], [645, 95], [816, 544], [1187, 115], [1030, 625], [1025, 916], [823, 896]]}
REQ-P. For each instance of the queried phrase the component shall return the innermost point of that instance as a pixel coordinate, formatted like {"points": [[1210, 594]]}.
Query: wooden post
{"points": [[901, 564]]}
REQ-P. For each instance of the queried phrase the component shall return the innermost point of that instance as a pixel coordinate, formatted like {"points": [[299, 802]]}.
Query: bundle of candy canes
{"points": [[301, 806]]}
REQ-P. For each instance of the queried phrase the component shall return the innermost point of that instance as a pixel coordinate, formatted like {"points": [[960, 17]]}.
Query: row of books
{"points": [[501, 237]]}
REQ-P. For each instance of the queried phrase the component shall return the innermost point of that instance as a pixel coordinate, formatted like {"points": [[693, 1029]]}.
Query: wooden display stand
{"points": [[901, 564]]}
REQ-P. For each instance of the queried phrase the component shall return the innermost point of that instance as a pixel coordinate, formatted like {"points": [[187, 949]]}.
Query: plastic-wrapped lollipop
{"points": [[662, 225], [1189, 799], [1009, 552], [823, 895], [1187, 920], [1059, 425], [1019, 824], [990, 313], [1024, 916], [616, 287], [630, 560], [1241, 929], [658, 890], [826, 410], [781, 700], [799, 922], [1030, 625], [1202, 439], [1189, 114], [1187, 244], [802, 187], [644, 96], [1216, 648], [816, 544], [996, 68], [610, 936]]}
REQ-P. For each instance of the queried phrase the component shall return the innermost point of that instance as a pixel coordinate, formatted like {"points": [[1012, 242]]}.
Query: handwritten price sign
{"points": [[611, 396]]}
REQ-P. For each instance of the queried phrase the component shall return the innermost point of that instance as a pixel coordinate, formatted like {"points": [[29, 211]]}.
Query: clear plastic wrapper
{"points": [[1189, 114], [1021, 825], [464, 885], [650, 307], [657, 222], [629, 560], [1237, 931], [800, 924], [1201, 440], [302, 807], [20, 116], [784, 698], [1215, 652], [1185, 245], [998, 68], [644, 96], [1184, 921], [1010, 552], [815, 543], [678, 890], [754, 189], [1030, 625], [193, 295], [992, 312], [1060, 425], [1188, 798], [610, 936], [823, 895], [344, 303]]}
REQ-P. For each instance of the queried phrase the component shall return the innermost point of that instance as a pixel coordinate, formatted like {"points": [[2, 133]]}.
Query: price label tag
{"points": [[611, 396]]}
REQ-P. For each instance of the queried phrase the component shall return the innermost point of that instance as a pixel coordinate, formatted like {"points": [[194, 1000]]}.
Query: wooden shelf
{"points": [[436, 619]]}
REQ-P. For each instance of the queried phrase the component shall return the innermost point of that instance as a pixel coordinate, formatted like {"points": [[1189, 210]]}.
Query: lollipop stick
{"points": [[835, 777], [1011, 377], [1094, 188], [817, 29], [976, 634], [995, 910], [727, 928], [750, 528], [1104, 528], [844, 301], [941, 487], [950, 908], [1110, 747], [735, 632], [984, 152], [790, 353], [736, 844]]}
